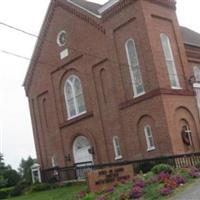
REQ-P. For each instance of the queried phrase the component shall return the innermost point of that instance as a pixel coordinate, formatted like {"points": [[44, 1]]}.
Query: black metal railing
{"points": [[79, 170]]}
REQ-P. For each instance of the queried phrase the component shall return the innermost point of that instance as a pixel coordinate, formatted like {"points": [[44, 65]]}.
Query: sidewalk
{"points": [[190, 193]]}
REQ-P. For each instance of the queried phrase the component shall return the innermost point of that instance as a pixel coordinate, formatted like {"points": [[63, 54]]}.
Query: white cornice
{"points": [[107, 5], [81, 7]]}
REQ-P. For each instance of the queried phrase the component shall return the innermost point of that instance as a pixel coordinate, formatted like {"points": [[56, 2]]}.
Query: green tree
{"points": [[8, 176], [25, 169]]}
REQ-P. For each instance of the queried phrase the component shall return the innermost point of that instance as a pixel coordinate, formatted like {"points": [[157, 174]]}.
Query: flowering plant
{"points": [[163, 176], [165, 191], [81, 194], [194, 172], [178, 179], [170, 183], [136, 192], [139, 183], [110, 190]]}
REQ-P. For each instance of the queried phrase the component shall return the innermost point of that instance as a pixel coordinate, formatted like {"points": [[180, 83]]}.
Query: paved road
{"points": [[190, 193]]}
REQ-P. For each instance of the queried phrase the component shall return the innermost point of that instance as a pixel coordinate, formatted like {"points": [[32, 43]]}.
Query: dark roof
{"points": [[93, 7], [190, 36]]}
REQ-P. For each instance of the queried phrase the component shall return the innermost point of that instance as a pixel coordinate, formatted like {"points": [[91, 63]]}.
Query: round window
{"points": [[61, 38]]}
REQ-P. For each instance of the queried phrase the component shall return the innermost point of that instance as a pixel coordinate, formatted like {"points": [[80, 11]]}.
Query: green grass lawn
{"points": [[70, 193], [64, 193]]}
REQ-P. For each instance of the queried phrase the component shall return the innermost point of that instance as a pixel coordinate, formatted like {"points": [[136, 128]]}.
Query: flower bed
{"points": [[156, 184]]}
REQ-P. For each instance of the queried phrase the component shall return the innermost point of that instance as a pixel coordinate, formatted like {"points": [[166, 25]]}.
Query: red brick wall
{"points": [[98, 57]]}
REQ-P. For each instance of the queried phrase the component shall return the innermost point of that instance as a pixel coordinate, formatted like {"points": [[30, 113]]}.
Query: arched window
{"points": [[117, 148], [196, 70], [169, 59], [134, 68], [149, 138], [74, 97]]}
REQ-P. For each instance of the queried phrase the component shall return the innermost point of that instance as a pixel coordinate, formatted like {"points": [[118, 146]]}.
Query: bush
{"points": [[136, 192], [197, 165], [37, 187], [162, 168], [165, 191], [19, 188], [5, 192]]}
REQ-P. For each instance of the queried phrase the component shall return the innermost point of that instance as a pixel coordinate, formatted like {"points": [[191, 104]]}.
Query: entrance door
{"points": [[83, 159]]}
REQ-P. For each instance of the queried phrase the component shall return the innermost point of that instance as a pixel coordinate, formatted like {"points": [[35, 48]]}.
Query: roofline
{"points": [[37, 46], [81, 7], [107, 5], [192, 44]]}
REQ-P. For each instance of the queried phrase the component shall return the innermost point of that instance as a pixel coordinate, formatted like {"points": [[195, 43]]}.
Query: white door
{"points": [[82, 157], [81, 148]]}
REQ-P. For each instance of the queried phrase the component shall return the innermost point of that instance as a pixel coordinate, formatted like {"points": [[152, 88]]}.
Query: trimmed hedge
{"points": [[162, 168], [5, 192]]}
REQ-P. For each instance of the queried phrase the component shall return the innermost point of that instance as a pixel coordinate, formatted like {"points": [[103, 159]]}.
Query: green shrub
{"points": [[39, 187], [89, 196], [162, 168], [19, 188], [5, 192], [197, 164]]}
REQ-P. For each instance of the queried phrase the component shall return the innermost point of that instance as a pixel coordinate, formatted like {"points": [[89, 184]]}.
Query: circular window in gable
{"points": [[61, 38]]}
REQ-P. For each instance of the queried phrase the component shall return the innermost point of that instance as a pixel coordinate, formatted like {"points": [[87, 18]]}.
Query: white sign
{"points": [[64, 54]]}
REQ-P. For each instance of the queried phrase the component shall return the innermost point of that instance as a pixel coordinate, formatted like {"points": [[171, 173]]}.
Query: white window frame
{"points": [[133, 79], [147, 136], [117, 148], [53, 161], [170, 60], [71, 82], [196, 85]]}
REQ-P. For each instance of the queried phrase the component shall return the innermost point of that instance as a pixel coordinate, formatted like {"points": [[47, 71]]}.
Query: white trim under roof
{"points": [[107, 5], [192, 44], [81, 7]]}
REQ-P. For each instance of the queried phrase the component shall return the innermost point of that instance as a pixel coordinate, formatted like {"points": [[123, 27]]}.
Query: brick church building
{"points": [[113, 82]]}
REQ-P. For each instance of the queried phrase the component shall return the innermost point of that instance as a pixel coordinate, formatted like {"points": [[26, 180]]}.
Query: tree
{"points": [[25, 169], [8, 176]]}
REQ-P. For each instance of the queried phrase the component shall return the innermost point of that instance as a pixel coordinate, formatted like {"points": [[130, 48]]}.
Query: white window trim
{"points": [[75, 103], [178, 87], [136, 94], [117, 157], [149, 148]]}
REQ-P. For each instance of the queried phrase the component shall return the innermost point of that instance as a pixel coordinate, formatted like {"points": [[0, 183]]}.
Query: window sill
{"points": [[118, 157], [138, 95], [76, 119], [177, 88], [75, 116], [151, 149]]}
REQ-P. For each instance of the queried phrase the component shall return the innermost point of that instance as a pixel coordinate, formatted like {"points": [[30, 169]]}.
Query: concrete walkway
{"points": [[190, 193]]}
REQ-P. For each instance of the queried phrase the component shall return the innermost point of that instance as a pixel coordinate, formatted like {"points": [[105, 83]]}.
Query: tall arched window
{"points": [[169, 59], [149, 138], [134, 68], [117, 148], [196, 70], [74, 97]]}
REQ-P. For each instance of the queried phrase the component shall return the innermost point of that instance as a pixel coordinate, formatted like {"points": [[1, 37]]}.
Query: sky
{"points": [[16, 138]]}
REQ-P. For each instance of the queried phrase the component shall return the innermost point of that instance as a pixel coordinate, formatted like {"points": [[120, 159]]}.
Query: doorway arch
{"points": [[81, 150]]}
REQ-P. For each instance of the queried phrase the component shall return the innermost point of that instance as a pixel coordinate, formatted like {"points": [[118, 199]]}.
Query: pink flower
{"points": [[81, 194], [139, 183], [165, 191], [136, 192]]}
